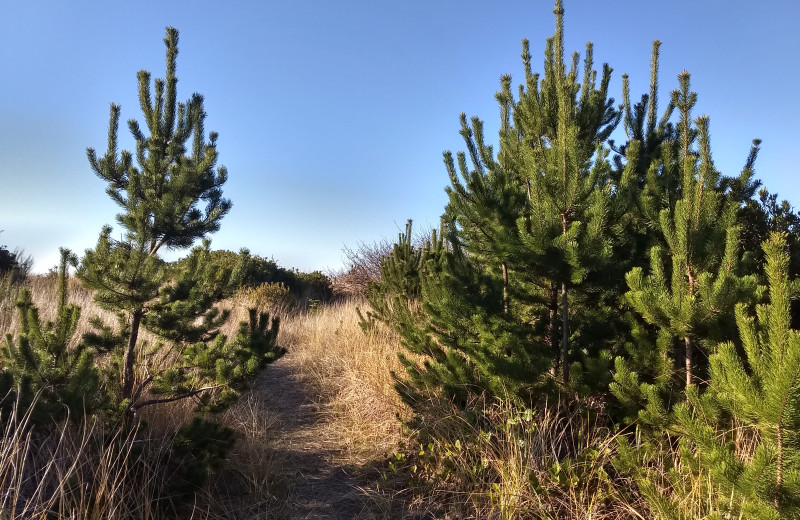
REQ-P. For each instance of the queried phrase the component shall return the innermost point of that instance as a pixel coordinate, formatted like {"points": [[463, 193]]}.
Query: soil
{"points": [[316, 482]]}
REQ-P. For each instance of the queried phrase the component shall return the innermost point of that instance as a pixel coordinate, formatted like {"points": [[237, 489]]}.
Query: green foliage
{"points": [[181, 311], [313, 286], [8, 260], [268, 296], [448, 313], [395, 297], [169, 198], [160, 197], [759, 218], [198, 450], [42, 367], [223, 369], [258, 271], [14, 264], [731, 451], [690, 298], [184, 311], [746, 427], [303, 286], [526, 235]]}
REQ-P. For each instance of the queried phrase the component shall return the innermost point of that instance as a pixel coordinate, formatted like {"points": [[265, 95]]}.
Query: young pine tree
{"points": [[561, 125], [692, 297], [527, 232], [42, 367], [170, 195], [746, 428], [739, 439]]}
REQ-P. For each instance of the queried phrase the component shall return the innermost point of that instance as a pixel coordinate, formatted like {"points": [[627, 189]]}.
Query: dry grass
{"points": [[44, 293], [35, 462], [508, 462], [79, 472], [351, 373]]}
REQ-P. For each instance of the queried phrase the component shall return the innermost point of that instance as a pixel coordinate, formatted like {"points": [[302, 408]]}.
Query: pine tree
{"points": [[534, 217], [760, 216], [485, 302], [746, 428], [642, 188], [739, 439], [43, 367], [409, 276], [691, 298], [393, 300], [561, 126], [529, 250], [169, 199]]}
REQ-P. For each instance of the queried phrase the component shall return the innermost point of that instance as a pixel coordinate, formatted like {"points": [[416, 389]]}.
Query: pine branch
{"points": [[191, 393]]}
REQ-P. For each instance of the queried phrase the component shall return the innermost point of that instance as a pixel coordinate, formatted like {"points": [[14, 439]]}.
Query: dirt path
{"points": [[316, 485]]}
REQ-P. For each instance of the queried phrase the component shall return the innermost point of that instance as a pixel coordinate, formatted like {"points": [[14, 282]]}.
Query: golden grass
{"points": [[351, 373], [77, 472], [348, 371], [44, 293], [508, 462]]}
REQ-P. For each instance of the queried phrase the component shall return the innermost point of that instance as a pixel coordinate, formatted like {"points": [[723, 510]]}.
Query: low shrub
{"points": [[274, 298], [503, 460]]}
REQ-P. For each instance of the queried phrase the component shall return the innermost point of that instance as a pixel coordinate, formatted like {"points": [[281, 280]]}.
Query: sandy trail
{"points": [[316, 485]]}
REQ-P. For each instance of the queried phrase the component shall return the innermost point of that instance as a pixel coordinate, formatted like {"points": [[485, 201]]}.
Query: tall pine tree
{"points": [[169, 191], [526, 231], [560, 130]]}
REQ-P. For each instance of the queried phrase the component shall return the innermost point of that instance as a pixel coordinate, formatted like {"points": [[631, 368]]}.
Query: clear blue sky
{"points": [[333, 116]]}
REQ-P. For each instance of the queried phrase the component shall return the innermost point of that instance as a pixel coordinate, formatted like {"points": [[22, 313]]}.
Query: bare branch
{"points": [[138, 406]]}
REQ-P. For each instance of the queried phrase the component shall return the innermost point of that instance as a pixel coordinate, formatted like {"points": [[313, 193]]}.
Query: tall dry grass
{"points": [[552, 462], [44, 294], [350, 373], [87, 471], [504, 461], [81, 472]]}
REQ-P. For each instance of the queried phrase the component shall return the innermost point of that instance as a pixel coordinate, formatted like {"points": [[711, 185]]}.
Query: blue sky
{"points": [[333, 116]]}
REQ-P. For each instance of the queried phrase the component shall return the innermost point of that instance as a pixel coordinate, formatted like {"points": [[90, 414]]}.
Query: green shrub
{"points": [[274, 298]]}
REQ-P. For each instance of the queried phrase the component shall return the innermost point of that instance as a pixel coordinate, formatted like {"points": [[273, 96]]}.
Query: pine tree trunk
{"points": [[553, 329], [564, 332], [779, 469], [505, 287], [688, 343], [564, 315], [686, 339], [130, 356]]}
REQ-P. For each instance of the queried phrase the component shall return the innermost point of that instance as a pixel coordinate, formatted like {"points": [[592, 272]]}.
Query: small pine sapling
{"points": [[746, 427], [61, 379]]}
